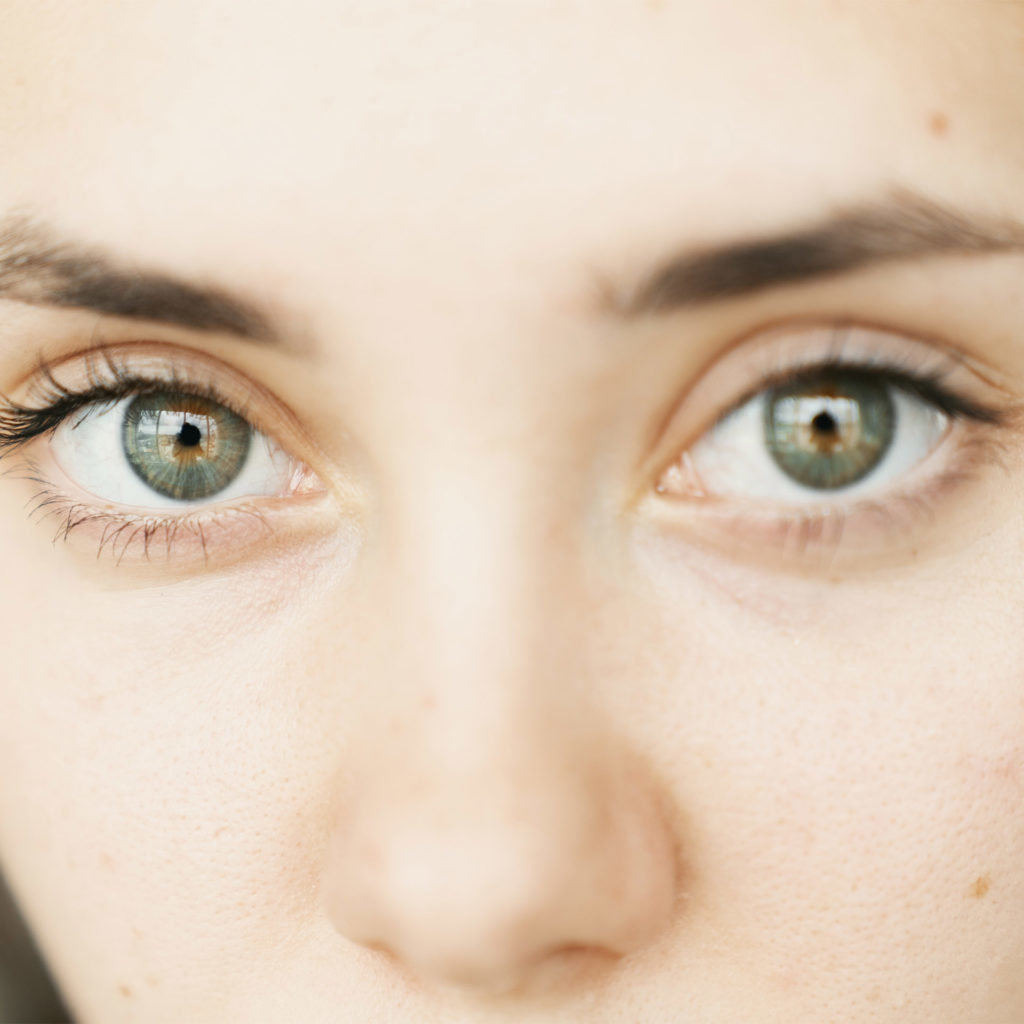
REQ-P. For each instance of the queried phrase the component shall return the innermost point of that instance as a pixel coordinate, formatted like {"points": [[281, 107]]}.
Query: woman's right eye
{"points": [[170, 450]]}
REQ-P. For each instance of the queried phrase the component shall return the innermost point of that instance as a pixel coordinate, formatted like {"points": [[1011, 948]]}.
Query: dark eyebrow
{"points": [[903, 226], [39, 270]]}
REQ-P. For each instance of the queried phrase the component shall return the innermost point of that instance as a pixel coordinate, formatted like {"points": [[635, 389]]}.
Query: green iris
{"points": [[830, 429], [184, 446]]}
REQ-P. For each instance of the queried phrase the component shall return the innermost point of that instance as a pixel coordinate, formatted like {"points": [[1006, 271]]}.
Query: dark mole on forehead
{"points": [[938, 124]]}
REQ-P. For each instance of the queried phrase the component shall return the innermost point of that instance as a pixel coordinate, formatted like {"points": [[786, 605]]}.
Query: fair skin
{"points": [[472, 722]]}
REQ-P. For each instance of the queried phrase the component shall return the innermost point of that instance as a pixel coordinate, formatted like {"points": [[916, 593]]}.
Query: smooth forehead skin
{"points": [[496, 744]]}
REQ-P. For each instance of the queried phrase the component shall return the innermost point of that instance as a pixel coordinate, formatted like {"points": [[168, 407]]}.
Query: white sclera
{"points": [[88, 448], [733, 460]]}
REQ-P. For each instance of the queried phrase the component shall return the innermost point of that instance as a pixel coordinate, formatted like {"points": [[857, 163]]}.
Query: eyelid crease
{"points": [[55, 401], [779, 352]]}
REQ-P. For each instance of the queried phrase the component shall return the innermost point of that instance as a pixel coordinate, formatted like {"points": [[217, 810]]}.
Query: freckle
{"points": [[938, 124], [125, 990], [874, 995], [981, 887]]}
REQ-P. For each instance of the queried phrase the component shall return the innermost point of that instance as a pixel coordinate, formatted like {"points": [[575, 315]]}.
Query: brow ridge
{"points": [[903, 226], [37, 269]]}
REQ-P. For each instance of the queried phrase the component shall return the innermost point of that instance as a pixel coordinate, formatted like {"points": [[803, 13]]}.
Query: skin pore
{"points": [[501, 693]]}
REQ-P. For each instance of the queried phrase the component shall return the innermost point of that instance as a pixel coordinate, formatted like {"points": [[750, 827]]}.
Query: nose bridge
{"points": [[476, 565], [491, 826]]}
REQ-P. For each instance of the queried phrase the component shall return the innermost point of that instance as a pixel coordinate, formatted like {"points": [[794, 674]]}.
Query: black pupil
{"points": [[189, 435], [824, 423]]}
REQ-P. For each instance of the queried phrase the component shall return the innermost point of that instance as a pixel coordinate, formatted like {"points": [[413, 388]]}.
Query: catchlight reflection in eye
{"points": [[824, 433], [166, 449], [183, 446], [830, 431]]}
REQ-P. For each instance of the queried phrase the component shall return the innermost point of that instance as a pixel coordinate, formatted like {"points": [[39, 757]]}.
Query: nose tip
{"points": [[501, 902], [496, 923], [496, 975]]}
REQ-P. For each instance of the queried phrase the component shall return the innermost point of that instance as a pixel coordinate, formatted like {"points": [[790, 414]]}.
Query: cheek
{"points": [[161, 791], [848, 777]]}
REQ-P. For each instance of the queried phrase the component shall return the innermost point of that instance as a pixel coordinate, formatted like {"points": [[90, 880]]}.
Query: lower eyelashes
{"points": [[838, 457], [154, 464]]}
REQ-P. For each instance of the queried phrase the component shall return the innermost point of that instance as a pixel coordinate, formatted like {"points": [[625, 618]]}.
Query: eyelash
{"points": [[20, 424], [819, 529], [929, 387], [109, 379]]}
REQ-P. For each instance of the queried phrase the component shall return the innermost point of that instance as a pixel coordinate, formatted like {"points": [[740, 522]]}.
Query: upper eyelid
{"points": [[784, 350], [928, 387], [836, 343], [109, 372], [171, 365]]}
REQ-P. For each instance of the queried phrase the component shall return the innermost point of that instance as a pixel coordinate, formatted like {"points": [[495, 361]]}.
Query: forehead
{"points": [[303, 133]]}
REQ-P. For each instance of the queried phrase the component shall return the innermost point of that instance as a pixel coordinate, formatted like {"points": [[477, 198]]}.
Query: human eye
{"points": [[847, 438], [149, 451]]}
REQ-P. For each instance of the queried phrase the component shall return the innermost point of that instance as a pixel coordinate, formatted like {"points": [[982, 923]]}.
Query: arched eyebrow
{"points": [[39, 269], [903, 226]]}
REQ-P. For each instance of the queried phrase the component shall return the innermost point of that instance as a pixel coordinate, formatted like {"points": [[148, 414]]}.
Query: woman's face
{"points": [[477, 666]]}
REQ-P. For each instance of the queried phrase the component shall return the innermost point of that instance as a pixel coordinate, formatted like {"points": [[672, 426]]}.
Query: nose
{"points": [[496, 876], [494, 834]]}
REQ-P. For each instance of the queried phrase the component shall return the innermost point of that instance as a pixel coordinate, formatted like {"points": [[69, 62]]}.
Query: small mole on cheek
{"points": [[981, 887], [938, 124], [125, 990]]}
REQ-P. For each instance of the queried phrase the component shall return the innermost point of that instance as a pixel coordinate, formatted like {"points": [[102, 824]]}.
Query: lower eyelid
{"points": [[857, 534], [214, 537]]}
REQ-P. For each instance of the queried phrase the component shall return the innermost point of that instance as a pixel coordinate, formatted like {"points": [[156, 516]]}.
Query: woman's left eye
{"points": [[827, 433], [168, 449]]}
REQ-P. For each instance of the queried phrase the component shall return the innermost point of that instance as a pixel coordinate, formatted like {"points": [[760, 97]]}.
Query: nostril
{"points": [[563, 967], [546, 885]]}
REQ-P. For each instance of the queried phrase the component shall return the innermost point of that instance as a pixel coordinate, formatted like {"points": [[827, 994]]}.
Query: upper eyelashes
{"points": [[851, 436], [148, 453], [148, 440], [839, 416]]}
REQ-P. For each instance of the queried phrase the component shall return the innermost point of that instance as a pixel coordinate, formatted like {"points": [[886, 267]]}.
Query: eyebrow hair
{"points": [[902, 226], [38, 270]]}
